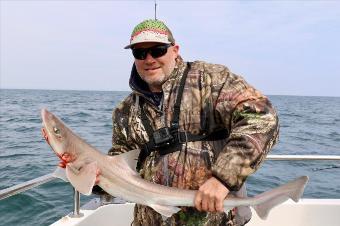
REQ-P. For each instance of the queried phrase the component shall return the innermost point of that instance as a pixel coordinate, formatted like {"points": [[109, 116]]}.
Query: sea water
{"points": [[309, 126]]}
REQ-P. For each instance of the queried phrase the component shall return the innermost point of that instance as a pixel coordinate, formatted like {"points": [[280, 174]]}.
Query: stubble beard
{"points": [[155, 82]]}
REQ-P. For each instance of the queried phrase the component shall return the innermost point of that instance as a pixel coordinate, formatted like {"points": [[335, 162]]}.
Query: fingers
{"points": [[219, 205], [210, 196], [198, 201], [66, 157], [97, 176], [211, 204], [62, 164], [98, 172], [206, 202]]}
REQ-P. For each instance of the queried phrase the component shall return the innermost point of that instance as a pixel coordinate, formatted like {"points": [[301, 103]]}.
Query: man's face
{"points": [[155, 71]]}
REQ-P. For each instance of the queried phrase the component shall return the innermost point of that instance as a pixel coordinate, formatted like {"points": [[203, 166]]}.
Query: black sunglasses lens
{"points": [[156, 51], [139, 54]]}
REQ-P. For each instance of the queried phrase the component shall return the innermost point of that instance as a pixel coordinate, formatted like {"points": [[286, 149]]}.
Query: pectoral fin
{"points": [[166, 211], [84, 179], [60, 173]]}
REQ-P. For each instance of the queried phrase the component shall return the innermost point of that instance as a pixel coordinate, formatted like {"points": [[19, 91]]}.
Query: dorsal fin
{"points": [[130, 158]]}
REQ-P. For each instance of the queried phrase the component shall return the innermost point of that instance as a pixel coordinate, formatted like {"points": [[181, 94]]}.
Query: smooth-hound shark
{"points": [[119, 178]]}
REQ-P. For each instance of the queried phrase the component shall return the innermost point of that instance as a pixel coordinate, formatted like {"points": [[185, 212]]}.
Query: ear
{"points": [[175, 48]]}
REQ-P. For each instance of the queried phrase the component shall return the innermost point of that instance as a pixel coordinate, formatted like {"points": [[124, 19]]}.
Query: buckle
{"points": [[162, 137], [180, 138]]}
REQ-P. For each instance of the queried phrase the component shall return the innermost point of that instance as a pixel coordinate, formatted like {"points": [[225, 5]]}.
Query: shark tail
{"points": [[292, 190]]}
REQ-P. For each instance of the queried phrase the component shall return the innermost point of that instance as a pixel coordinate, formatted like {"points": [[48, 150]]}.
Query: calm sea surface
{"points": [[309, 125]]}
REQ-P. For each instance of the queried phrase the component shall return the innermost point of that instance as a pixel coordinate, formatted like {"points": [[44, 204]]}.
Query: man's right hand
{"points": [[210, 196]]}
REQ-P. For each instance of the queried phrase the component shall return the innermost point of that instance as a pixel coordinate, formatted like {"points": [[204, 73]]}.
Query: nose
{"points": [[149, 59]]}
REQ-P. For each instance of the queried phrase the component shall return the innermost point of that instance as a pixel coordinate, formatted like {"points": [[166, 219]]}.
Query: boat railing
{"points": [[16, 189]]}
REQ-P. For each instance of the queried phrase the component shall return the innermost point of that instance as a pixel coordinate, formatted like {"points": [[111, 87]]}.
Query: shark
{"points": [[119, 178]]}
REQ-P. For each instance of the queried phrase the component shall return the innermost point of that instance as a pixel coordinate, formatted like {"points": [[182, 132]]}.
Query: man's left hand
{"points": [[210, 196]]}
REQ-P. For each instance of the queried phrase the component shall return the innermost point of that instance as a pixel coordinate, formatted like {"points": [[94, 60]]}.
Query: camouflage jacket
{"points": [[213, 98]]}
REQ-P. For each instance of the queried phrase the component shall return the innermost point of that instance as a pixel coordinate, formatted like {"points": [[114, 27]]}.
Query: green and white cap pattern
{"points": [[151, 31]]}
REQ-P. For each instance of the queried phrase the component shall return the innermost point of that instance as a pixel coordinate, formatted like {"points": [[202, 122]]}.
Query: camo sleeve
{"points": [[254, 129], [120, 118]]}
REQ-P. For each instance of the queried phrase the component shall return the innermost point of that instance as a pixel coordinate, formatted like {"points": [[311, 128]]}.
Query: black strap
{"points": [[215, 135], [145, 120], [148, 146], [177, 106]]}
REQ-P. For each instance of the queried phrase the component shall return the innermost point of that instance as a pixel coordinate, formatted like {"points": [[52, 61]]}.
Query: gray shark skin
{"points": [[119, 179]]}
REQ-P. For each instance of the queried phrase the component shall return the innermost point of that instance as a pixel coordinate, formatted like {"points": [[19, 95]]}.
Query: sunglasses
{"points": [[155, 51]]}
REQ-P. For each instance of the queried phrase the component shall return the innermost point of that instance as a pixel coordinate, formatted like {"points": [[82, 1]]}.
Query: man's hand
{"points": [[210, 196], [65, 158]]}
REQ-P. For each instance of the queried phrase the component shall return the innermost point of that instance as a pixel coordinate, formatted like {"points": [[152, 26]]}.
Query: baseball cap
{"points": [[151, 31]]}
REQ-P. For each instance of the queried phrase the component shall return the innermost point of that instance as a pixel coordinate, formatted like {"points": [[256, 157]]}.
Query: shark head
{"points": [[80, 169], [58, 136]]}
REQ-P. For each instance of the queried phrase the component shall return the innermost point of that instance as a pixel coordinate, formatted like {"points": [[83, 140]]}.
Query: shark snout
{"points": [[44, 113]]}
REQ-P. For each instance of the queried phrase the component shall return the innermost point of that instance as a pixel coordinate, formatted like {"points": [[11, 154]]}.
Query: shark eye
{"points": [[56, 130]]}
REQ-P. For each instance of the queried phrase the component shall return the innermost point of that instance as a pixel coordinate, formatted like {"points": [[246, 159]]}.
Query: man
{"points": [[219, 133]]}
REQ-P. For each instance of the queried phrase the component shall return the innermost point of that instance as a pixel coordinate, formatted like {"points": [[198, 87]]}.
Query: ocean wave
{"points": [[290, 114], [334, 134], [16, 155], [11, 120]]}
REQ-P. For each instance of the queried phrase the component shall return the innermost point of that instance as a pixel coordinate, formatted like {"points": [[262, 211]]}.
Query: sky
{"points": [[279, 47]]}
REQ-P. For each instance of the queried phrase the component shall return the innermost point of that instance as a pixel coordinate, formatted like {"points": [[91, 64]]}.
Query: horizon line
{"points": [[84, 90]]}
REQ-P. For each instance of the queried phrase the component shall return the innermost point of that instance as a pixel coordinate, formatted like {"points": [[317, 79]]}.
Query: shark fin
{"points": [[166, 211], [293, 190], [84, 179], [129, 157], [263, 209], [60, 173]]}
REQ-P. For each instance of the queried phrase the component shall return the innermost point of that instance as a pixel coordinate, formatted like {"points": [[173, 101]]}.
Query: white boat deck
{"points": [[307, 212]]}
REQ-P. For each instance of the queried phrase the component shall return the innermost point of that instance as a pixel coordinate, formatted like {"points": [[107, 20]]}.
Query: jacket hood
{"points": [[137, 83]]}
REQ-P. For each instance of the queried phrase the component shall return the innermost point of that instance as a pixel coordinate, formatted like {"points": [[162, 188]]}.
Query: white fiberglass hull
{"points": [[307, 212]]}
